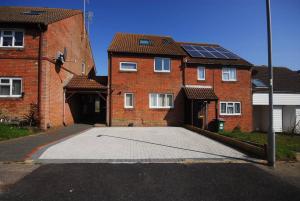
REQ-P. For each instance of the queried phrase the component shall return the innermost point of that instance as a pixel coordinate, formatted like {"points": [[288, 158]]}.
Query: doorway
{"points": [[88, 108], [199, 113]]}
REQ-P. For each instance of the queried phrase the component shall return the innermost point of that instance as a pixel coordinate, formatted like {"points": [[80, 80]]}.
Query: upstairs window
{"points": [[162, 64], [11, 38], [230, 108], [201, 73], [128, 66], [145, 42], [10, 87], [229, 74]]}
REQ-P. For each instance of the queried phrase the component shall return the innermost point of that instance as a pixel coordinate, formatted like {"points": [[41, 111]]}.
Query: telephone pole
{"points": [[271, 134]]}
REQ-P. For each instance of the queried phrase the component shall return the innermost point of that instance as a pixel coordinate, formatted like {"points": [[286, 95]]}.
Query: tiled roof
{"points": [[83, 82], [284, 79], [160, 45], [208, 61], [200, 93], [9, 14], [164, 45]]}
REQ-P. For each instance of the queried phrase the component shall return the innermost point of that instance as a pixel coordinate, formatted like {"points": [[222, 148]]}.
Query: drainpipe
{"points": [[109, 89], [64, 107], [183, 73], [40, 72]]}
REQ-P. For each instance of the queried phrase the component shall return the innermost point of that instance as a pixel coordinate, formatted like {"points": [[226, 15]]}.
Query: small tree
{"points": [[31, 118]]}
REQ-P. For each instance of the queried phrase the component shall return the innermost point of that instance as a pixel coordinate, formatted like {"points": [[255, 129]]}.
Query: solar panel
{"points": [[202, 51]]}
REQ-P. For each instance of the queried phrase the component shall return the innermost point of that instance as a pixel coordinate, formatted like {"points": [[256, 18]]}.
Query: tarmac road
{"points": [[151, 182]]}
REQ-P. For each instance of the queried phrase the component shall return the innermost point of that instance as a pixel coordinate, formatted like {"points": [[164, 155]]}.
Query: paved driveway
{"points": [[20, 148], [136, 144]]}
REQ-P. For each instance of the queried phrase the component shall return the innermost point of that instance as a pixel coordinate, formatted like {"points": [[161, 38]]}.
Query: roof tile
{"points": [[129, 43], [10, 14], [284, 79], [83, 82], [200, 93]]}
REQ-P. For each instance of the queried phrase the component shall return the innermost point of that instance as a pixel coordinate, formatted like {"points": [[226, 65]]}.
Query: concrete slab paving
{"points": [[136, 144]]}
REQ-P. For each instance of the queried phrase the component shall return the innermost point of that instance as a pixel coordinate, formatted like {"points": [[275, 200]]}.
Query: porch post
{"points": [[192, 112], [216, 102], [205, 118]]}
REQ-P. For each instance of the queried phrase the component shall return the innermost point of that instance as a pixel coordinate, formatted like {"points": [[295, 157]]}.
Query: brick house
{"points": [[156, 81], [41, 50]]}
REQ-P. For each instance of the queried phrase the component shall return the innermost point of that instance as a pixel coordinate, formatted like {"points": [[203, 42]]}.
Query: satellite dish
{"points": [[60, 57]]}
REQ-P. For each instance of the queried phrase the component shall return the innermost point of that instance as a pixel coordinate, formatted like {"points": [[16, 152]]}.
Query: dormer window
{"points": [[145, 42], [11, 38], [34, 12]]}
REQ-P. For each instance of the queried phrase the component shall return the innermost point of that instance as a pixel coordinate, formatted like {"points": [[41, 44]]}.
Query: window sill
{"points": [[230, 115], [11, 98], [169, 108], [230, 81], [162, 72], [128, 71], [201, 80], [12, 48], [128, 108]]}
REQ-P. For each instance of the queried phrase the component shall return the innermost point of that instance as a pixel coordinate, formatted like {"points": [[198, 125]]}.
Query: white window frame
{"points": [[83, 68], [125, 103], [230, 114], [165, 97], [13, 37], [11, 86], [162, 70], [198, 69], [228, 72], [125, 62]]}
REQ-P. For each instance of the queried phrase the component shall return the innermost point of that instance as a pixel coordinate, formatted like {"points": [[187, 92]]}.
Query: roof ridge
{"points": [[33, 7], [141, 34], [198, 43]]}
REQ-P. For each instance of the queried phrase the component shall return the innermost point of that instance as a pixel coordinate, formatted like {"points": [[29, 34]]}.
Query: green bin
{"points": [[221, 124]]}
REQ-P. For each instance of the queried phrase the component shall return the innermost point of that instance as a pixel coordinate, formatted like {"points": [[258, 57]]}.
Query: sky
{"points": [[237, 25]]}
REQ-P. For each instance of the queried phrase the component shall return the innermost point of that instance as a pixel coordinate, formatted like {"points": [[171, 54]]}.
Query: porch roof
{"points": [[200, 93], [85, 83]]}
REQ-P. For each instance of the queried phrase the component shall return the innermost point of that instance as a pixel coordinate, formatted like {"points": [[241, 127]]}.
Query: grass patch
{"points": [[10, 132], [286, 145]]}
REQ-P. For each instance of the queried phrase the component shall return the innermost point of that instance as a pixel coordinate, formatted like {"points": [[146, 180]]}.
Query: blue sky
{"points": [[238, 25]]}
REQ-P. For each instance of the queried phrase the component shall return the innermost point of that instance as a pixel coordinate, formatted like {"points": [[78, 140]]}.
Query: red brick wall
{"points": [[23, 65], [239, 91], [142, 83], [65, 33], [27, 70]]}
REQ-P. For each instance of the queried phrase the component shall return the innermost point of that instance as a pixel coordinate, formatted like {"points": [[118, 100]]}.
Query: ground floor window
{"points": [[160, 100], [97, 104], [128, 100], [10, 87], [230, 108]]}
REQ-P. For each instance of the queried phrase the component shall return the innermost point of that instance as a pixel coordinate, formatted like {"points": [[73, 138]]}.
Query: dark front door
{"points": [[93, 109], [199, 113]]}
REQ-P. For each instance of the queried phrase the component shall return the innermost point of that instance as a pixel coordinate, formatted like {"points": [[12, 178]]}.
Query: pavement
{"points": [[19, 149], [155, 182], [10, 173], [136, 144]]}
